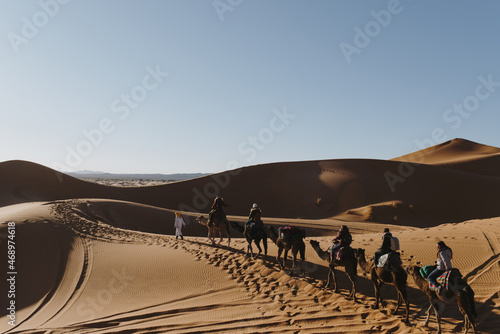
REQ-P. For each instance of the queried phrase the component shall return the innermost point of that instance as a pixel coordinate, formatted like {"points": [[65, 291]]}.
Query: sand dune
{"points": [[309, 190], [99, 259], [459, 154]]}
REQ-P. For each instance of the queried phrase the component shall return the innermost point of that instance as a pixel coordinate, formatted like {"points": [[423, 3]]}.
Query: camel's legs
{"points": [[438, 317], [280, 251], [404, 295], [334, 276], [465, 307], [327, 285], [353, 291], [352, 276], [249, 247], [399, 283], [399, 303], [468, 323], [285, 257], [211, 235], [426, 322], [294, 253], [257, 243], [379, 300], [221, 235], [264, 241], [214, 235], [378, 297]]}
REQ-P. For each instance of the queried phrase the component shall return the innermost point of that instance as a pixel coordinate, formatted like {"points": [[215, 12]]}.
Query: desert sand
{"points": [[92, 258]]}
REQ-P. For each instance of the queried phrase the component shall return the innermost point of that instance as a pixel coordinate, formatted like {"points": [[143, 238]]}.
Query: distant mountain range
{"points": [[87, 174]]}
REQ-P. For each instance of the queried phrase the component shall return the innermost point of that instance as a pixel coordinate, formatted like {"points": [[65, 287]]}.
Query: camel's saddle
{"points": [[338, 255], [252, 225], [447, 279], [390, 260], [218, 214]]}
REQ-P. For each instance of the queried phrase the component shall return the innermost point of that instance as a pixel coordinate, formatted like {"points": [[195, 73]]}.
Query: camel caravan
{"points": [[441, 282]]}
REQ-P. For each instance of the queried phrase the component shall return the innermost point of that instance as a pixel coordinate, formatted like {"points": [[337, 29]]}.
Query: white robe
{"points": [[178, 224]]}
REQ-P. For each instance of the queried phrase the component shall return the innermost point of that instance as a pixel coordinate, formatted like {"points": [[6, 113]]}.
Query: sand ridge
{"points": [[460, 154]]}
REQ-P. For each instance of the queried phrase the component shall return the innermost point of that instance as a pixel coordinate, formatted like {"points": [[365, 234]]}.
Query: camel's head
{"points": [[413, 270], [359, 252], [200, 219], [271, 232], [314, 243]]}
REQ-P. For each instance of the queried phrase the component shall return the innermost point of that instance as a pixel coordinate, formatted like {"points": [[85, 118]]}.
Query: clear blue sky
{"points": [[203, 86]]}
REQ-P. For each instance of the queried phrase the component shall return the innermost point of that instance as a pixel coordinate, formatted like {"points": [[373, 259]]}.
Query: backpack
{"points": [[394, 244]]}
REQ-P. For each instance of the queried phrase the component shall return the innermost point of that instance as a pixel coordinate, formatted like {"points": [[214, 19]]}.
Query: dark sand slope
{"points": [[310, 190]]}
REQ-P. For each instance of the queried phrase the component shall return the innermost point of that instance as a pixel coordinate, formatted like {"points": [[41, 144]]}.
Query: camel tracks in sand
{"points": [[76, 216], [336, 172], [300, 300]]}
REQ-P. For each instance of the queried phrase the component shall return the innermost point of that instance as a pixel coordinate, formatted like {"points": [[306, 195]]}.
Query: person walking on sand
{"points": [[178, 224]]}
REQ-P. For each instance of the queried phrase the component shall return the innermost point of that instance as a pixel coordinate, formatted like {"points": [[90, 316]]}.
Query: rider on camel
{"points": [[255, 216], [386, 246], [217, 207], [444, 256], [342, 239]]}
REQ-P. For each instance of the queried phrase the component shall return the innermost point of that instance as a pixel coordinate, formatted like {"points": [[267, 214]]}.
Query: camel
{"points": [[379, 276], [459, 291], [254, 234], [221, 225], [295, 243], [349, 262]]}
